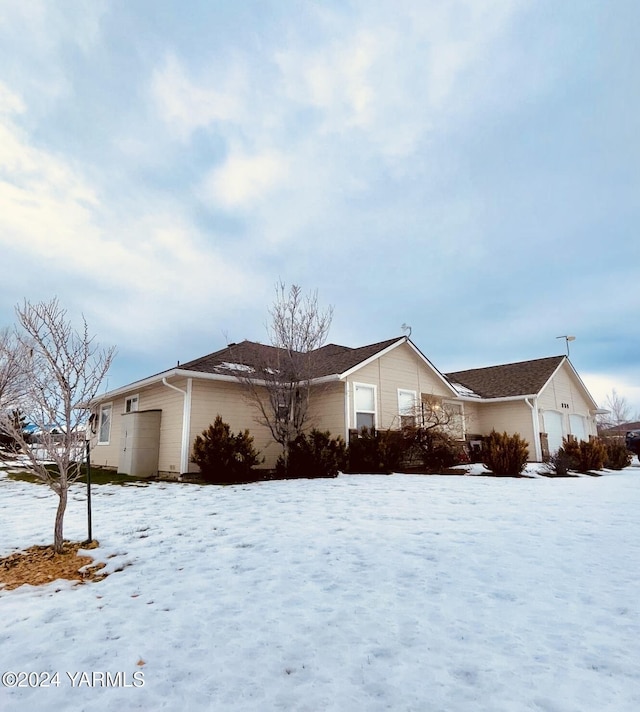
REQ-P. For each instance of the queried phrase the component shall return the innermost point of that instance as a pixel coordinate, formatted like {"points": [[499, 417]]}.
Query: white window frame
{"points": [[103, 407], [357, 410], [413, 409], [135, 399]]}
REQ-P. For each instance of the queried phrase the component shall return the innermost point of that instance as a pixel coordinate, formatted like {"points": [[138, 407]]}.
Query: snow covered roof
{"points": [[464, 391]]}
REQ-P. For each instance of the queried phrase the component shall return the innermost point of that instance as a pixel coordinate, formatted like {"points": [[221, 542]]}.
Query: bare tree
{"points": [[619, 411], [280, 384], [61, 370], [11, 369]]}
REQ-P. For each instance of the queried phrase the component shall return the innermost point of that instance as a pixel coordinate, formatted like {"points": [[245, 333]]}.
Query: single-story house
{"points": [[543, 400], [148, 427]]}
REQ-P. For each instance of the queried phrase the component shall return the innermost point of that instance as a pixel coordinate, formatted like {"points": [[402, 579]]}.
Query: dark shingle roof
{"points": [[510, 379], [621, 429], [249, 356]]}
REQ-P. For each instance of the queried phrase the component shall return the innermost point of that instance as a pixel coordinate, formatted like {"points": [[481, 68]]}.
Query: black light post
{"points": [[88, 451]]}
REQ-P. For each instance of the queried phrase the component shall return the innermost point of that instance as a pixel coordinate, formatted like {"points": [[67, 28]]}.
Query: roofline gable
{"points": [[391, 347], [565, 359], [372, 358]]}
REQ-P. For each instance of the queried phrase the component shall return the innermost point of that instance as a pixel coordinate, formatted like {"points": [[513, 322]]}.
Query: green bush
{"points": [[584, 455], [505, 455], [223, 457], [314, 455], [377, 451], [617, 455]]}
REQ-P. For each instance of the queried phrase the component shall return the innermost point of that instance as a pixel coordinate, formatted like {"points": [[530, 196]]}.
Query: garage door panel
{"points": [[553, 427]]}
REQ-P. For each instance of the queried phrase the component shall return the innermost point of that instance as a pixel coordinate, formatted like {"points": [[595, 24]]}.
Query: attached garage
{"points": [[578, 427], [553, 427]]}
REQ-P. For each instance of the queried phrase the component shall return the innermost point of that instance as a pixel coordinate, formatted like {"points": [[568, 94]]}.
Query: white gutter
{"points": [[186, 423], [503, 399], [536, 427], [182, 373]]}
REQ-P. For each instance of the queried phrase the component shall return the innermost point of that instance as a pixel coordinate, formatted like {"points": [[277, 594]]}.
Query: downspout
{"points": [[186, 423], [347, 410], [536, 427]]}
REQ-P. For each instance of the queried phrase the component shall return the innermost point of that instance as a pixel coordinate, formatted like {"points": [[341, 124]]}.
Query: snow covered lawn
{"points": [[360, 594]]}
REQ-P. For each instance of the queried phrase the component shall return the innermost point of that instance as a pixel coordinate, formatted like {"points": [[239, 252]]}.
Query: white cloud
{"points": [[147, 259], [46, 30], [601, 385], [243, 180], [186, 105], [10, 103]]}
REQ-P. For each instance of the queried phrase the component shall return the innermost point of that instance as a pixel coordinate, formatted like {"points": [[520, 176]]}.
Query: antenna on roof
{"points": [[405, 327], [567, 339]]}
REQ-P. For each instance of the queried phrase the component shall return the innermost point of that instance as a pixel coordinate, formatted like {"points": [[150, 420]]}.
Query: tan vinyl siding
{"points": [[211, 398], [171, 404], [326, 408], [156, 396], [472, 423], [511, 417], [398, 369], [102, 454]]}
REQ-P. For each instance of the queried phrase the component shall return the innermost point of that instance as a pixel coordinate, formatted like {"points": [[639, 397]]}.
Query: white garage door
{"points": [[578, 427], [553, 428]]}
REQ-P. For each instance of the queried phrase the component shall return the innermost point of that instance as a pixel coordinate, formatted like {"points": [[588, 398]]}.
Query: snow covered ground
{"points": [[364, 593]]}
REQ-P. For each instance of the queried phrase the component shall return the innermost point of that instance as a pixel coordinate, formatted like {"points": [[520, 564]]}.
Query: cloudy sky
{"points": [[468, 168]]}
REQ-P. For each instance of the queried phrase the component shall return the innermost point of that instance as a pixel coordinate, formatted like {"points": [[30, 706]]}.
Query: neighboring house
{"points": [[543, 400], [619, 430], [148, 427]]}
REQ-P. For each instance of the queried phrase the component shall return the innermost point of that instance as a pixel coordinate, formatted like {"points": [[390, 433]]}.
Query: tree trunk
{"points": [[57, 531]]}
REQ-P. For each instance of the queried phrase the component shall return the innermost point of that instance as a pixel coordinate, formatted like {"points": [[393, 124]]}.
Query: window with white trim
{"points": [[104, 424], [364, 398], [407, 406], [131, 404]]}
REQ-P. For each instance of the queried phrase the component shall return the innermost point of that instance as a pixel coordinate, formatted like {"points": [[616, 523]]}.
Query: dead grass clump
{"points": [[40, 565]]}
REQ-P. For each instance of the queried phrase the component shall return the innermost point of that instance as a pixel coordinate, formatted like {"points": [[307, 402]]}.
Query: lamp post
{"points": [[88, 457]]}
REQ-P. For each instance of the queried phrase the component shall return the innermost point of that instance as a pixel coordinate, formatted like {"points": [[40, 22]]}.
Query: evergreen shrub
{"points": [[584, 455], [315, 454], [505, 455], [225, 458], [618, 457], [377, 451]]}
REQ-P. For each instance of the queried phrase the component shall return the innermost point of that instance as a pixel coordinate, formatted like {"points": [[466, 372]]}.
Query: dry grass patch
{"points": [[39, 565]]}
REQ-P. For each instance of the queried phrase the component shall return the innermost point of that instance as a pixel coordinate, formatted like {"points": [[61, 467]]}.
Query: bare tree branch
{"points": [[60, 371], [279, 385], [619, 411], [12, 382]]}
